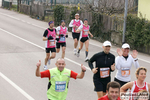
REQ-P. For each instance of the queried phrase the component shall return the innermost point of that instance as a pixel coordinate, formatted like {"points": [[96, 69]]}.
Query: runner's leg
{"points": [[57, 50], [86, 47], [47, 57], [81, 46], [63, 52], [75, 43], [100, 94], [53, 55]]}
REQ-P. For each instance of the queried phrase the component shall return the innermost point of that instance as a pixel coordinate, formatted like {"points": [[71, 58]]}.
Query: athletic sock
{"points": [[79, 50], [86, 53]]}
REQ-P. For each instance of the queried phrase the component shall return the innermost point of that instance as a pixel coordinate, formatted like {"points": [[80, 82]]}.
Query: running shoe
{"points": [[78, 54], [75, 51], [86, 59], [45, 67], [49, 61]]}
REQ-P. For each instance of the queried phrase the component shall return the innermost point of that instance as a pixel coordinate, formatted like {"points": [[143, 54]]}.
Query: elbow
{"points": [[38, 75]]}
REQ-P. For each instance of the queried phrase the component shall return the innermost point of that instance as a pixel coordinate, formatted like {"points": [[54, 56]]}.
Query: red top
{"points": [[106, 98], [137, 88], [46, 74]]}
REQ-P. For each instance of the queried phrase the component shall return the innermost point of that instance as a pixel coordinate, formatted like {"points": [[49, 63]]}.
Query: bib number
{"points": [[52, 42], [62, 39], [60, 86], [125, 72], [104, 72], [86, 32]]}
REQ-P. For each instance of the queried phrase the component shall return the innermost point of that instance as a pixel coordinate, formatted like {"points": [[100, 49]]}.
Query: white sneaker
{"points": [[49, 61], [78, 54], [75, 51], [86, 59], [45, 67]]}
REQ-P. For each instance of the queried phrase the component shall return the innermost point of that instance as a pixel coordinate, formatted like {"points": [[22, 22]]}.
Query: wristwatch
{"points": [[135, 59]]}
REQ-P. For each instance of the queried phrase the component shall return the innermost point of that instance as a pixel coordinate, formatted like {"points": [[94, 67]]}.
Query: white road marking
{"points": [[17, 87], [69, 36], [38, 46]]}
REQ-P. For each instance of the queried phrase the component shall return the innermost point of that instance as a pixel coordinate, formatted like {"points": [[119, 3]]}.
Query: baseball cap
{"points": [[125, 45], [106, 43], [76, 14], [86, 19], [62, 21]]}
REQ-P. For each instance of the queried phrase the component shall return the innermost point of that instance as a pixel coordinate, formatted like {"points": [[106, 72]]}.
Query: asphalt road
{"points": [[21, 47]]}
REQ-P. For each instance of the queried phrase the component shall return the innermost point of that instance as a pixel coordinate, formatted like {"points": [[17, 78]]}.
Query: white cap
{"points": [[126, 45], [76, 14], [106, 43]]}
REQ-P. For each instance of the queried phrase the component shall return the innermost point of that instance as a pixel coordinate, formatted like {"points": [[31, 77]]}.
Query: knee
{"points": [[53, 56], [76, 41]]}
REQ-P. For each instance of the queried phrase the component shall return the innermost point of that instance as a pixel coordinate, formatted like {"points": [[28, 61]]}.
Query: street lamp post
{"points": [[125, 18]]}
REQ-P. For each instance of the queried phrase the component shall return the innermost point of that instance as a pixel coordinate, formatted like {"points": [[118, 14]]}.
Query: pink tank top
{"points": [[51, 43], [85, 31], [76, 24], [62, 31]]}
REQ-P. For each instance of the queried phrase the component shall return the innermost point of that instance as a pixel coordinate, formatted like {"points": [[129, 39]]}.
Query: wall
{"points": [[25, 9], [143, 8]]}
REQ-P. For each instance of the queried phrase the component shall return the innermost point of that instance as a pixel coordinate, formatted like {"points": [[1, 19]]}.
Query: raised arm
{"points": [[118, 58], [37, 73], [81, 75], [135, 59]]}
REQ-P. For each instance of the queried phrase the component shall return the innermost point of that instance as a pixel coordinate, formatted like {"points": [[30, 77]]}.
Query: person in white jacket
{"points": [[123, 64]]}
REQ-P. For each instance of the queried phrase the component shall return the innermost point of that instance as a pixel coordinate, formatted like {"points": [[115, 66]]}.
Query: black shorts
{"points": [[75, 35], [120, 82], [83, 39], [60, 44], [100, 85], [50, 49]]}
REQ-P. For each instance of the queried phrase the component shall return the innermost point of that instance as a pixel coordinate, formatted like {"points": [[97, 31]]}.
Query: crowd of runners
{"points": [[105, 64]]}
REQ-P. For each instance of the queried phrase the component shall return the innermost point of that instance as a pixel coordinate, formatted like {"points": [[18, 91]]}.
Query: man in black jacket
{"points": [[104, 65]]}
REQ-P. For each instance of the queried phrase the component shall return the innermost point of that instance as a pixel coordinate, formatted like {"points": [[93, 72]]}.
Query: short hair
{"points": [[113, 84], [60, 59], [138, 70]]}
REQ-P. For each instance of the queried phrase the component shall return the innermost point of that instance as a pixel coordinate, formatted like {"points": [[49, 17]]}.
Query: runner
{"points": [[84, 28], [124, 63], [63, 34], [49, 36], [58, 79], [104, 65], [139, 84], [113, 91], [75, 23]]}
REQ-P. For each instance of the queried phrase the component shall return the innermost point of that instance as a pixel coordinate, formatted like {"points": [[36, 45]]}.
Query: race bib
{"points": [[125, 72], [104, 72], [52, 42], [60, 86], [86, 32], [62, 39]]}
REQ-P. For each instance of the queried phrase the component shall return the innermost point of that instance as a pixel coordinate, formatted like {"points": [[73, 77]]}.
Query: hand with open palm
{"points": [[134, 54], [119, 51]]}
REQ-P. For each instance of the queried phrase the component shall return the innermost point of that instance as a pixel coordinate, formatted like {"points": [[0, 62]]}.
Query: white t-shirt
{"points": [[71, 23], [123, 67]]}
